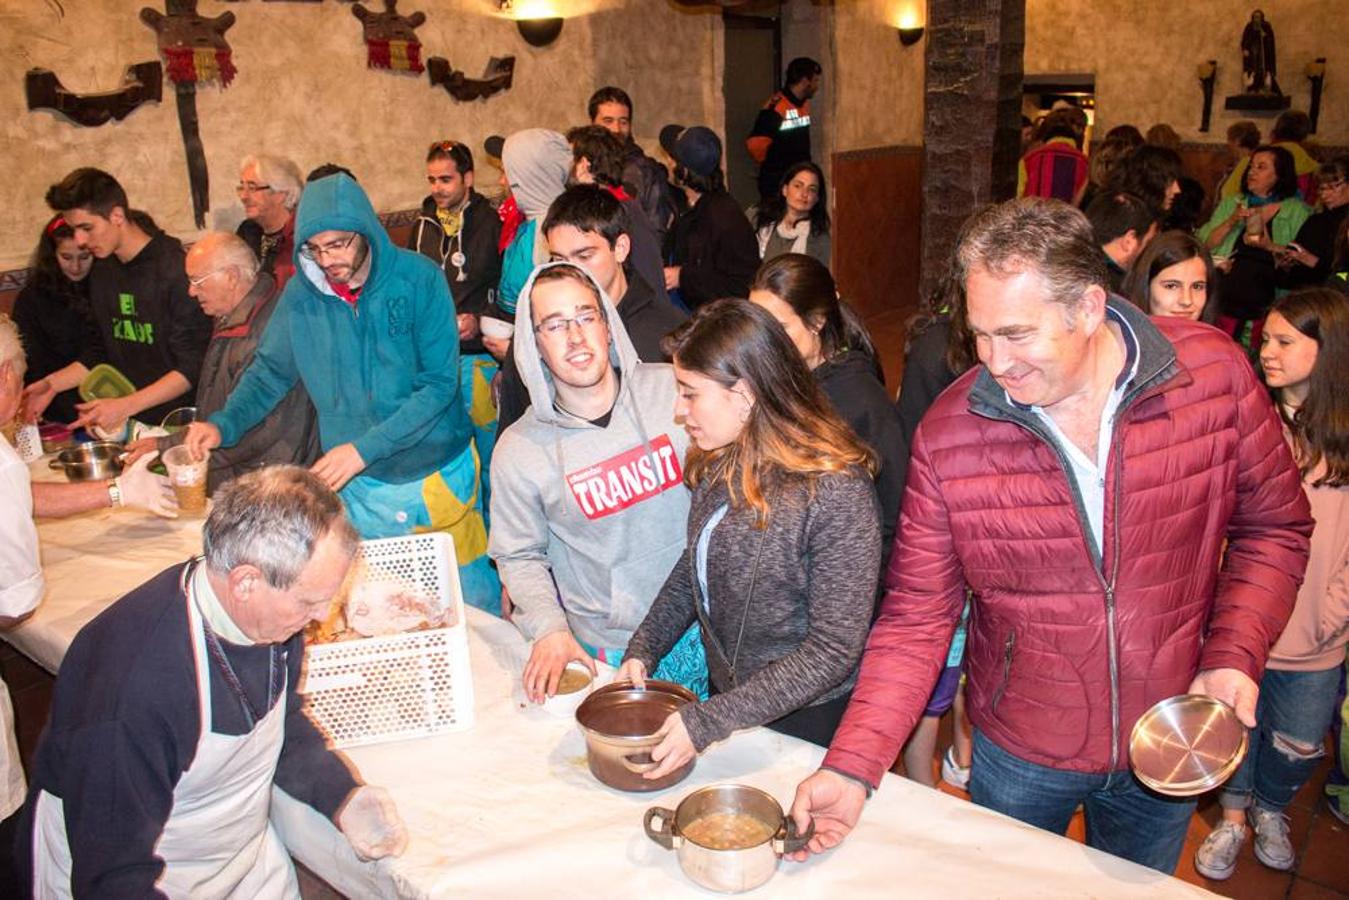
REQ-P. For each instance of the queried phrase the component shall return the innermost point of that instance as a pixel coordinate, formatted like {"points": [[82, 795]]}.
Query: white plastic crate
{"points": [[402, 686]]}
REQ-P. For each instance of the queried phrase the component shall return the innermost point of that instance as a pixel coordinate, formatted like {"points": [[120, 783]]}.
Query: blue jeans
{"points": [[1286, 745], [1123, 817]]}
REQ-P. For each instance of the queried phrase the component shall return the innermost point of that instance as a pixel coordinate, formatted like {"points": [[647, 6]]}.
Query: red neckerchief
{"points": [[619, 194], [349, 295], [511, 220]]}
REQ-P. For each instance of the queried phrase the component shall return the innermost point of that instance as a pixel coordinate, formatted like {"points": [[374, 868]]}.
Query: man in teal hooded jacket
{"points": [[369, 329]]}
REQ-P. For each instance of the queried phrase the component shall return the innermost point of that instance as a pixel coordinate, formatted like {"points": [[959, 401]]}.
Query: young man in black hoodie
{"points": [[588, 226], [146, 325]]}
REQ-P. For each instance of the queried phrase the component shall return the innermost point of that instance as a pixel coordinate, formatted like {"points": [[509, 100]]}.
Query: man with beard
{"points": [[588, 502], [369, 330]]}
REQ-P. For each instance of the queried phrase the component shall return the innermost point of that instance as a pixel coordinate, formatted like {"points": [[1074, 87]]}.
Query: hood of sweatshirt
{"points": [[588, 521], [338, 203], [537, 162], [535, 375]]}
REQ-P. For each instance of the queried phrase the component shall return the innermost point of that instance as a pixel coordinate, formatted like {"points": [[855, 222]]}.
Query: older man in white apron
{"points": [[175, 712]]}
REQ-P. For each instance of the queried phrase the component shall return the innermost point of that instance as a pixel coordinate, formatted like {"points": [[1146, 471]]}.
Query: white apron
{"points": [[217, 841]]}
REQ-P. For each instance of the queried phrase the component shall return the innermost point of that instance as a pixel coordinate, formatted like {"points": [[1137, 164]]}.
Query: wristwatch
{"points": [[114, 493]]}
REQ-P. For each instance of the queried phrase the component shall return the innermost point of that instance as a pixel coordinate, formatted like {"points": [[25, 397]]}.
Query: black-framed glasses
{"points": [[248, 187], [310, 251], [555, 326]]}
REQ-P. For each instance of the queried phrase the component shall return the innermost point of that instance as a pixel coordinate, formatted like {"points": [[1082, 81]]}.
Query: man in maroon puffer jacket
{"points": [[1115, 492]]}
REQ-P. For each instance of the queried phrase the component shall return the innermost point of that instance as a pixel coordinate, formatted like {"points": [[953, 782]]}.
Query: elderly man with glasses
{"points": [[224, 277], [369, 330], [269, 189]]}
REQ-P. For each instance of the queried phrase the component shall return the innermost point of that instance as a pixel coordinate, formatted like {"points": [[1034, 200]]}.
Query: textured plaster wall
{"points": [[1144, 56], [303, 91], [878, 95]]}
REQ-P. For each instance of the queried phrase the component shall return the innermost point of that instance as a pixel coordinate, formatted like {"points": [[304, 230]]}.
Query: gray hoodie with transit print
{"points": [[588, 521]]}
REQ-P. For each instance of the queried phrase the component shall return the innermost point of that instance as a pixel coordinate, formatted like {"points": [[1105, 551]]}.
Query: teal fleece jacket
{"points": [[382, 376]]}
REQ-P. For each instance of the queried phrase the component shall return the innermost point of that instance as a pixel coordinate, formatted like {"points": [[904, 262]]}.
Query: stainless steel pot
{"points": [[90, 462], [620, 725], [733, 869]]}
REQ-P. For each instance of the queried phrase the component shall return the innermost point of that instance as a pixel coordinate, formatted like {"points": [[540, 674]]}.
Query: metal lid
{"points": [[1187, 745], [621, 712]]}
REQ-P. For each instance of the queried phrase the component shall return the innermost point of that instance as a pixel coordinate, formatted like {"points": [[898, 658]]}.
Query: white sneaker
{"points": [[1272, 844], [954, 774], [1216, 858]]}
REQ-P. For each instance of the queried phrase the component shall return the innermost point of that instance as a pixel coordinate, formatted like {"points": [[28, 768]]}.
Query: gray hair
{"points": [[11, 345], [1046, 237], [227, 250], [279, 172], [271, 518]]}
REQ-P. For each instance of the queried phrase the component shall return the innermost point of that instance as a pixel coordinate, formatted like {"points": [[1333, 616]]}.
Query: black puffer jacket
{"points": [[851, 383], [716, 250]]}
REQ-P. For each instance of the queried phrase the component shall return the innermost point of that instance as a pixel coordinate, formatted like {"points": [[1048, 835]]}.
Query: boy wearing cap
{"points": [[715, 252]]}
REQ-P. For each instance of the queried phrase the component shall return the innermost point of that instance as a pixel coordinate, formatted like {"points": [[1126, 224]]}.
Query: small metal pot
{"points": [[620, 725], [90, 462], [727, 870]]}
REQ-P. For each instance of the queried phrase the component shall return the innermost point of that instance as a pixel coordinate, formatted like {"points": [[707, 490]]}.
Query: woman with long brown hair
{"points": [[1305, 359], [799, 292], [783, 540]]}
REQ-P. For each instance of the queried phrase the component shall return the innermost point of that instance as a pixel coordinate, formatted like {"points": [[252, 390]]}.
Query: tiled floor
{"points": [[1323, 843]]}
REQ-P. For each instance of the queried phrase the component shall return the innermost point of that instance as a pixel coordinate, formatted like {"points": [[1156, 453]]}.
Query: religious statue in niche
{"points": [[1258, 67], [195, 51], [497, 77], [390, 38], [143, 83]]}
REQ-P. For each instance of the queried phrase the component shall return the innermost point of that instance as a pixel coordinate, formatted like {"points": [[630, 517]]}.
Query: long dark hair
{"points": [[1166, 250], [1285, 171], [1320, 426], [47, 274], [774, 209], [792, 429], [804, 284]]}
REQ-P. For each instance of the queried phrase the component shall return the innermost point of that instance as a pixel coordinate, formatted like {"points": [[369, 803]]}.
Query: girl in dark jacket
{"points": [[783, 540], [799, 292], [52, 311]]}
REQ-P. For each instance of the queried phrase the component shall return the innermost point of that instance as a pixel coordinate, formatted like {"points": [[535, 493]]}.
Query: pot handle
{"points": [[792, 841], [637, 768], [664, 835], [55, 464]]}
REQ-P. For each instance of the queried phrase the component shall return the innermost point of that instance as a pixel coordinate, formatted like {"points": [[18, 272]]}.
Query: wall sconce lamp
{"points": [[910, 36], [538, 31]]}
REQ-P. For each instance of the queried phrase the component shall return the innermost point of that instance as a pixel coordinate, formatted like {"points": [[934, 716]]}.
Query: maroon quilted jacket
{"points": [[1067, 650]]}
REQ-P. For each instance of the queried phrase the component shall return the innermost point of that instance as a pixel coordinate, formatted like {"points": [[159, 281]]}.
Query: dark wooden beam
{"points": [[971, 117]]}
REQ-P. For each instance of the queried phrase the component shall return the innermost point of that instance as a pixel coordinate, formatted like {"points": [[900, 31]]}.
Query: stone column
{"points": [[971, 119]]}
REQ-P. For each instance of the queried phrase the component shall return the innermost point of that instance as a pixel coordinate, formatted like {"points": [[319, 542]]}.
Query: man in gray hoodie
{"points": [[588, 500]]}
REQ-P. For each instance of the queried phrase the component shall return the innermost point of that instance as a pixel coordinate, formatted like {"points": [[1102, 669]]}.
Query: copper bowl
{"points": [[620, 724], [1186, 745]]}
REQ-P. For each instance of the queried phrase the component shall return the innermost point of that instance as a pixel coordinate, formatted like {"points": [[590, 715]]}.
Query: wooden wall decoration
{"points": [[498, 76], [143, 83], [195, 51], [390, 38]]}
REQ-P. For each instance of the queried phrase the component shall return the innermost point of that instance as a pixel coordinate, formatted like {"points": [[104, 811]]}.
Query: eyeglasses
{"points": [[558, 326], [1331, 185], [309, 251], [200, 279], [248, 187]]}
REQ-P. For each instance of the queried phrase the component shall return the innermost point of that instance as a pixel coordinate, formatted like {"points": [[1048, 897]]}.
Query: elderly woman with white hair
{"points": [[269, 189], [21, 583]]}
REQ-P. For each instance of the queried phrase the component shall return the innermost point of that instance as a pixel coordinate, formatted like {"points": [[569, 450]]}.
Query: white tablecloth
{"points": [[509, 809]]}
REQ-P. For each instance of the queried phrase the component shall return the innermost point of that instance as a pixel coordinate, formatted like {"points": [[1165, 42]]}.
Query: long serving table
{"points": [[508, 808]]}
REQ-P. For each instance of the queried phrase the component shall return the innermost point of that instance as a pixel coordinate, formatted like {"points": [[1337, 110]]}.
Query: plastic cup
{"points": [[188, 477], [179, 418]]}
